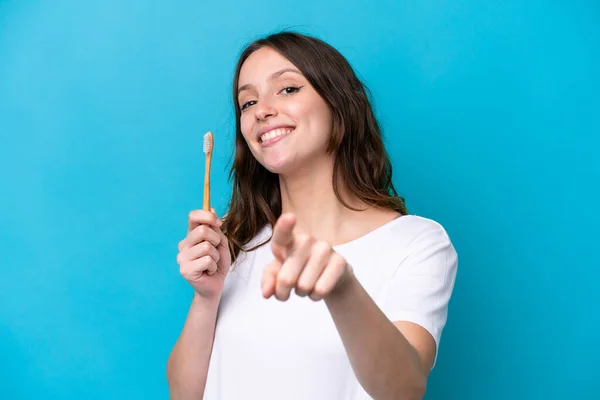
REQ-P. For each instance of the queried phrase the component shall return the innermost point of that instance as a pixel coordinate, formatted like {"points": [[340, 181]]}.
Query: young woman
{"points": [[335, 291]]}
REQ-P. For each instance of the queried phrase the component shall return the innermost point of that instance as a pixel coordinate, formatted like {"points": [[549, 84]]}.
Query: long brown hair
{"points": [[360, 158]]}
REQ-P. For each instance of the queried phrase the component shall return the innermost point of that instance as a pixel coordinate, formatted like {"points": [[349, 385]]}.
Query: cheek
{"points": [[326, 118], [246, 125], [322, 109], [321, 119]]}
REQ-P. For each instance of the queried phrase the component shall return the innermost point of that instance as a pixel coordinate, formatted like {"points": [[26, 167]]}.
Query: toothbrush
{"points": [[208, 149]]}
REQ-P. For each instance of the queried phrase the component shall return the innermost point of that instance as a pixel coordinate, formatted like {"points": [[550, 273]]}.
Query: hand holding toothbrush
{"points": [[204, 257]]}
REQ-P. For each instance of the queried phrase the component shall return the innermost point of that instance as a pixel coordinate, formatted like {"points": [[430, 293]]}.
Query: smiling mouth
{"points": [[275, 133]]}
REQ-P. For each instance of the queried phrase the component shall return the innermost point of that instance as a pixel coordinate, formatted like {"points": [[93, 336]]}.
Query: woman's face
{"points": [[285, 122]]}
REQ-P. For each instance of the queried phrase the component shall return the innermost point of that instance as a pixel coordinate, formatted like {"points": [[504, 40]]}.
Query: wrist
{"points": [[345, 285], [206, 301]]}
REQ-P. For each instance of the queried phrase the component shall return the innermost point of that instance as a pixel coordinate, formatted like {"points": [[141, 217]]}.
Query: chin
{"points": [[277, 169], [281, 166]]}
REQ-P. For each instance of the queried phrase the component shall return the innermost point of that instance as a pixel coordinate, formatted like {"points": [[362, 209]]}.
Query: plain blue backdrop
{"points": [[490, 111]]}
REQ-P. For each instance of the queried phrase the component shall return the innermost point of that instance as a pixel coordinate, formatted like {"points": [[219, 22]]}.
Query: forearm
{"points": [[187, 366], [384, 362]]}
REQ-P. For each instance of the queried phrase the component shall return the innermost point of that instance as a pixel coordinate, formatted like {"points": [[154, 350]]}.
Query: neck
{"points": [[309, 195]]}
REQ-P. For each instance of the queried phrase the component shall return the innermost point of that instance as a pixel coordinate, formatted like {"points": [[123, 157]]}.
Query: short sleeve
{"points": [[422, 284]]}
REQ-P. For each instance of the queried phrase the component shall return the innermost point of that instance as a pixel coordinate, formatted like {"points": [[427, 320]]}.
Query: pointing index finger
{"points": [[282, 241]]}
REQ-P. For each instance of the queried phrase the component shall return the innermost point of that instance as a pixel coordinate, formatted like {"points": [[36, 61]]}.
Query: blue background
{"points": [[491, 115]]}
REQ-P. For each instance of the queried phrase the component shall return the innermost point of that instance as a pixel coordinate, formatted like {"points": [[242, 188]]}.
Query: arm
{"points": [[390, 360], [204, 261], [393, 360], [187, 366], [384, 361]]}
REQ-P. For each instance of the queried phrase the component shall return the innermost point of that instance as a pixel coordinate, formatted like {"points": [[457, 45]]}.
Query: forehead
{"points": [[261, 64]]}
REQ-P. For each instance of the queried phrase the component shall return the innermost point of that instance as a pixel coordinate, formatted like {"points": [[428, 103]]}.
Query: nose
{"points": [[264, 110]]}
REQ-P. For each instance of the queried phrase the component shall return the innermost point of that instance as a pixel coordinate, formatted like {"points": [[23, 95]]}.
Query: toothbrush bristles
{"points": [[207, 142]]}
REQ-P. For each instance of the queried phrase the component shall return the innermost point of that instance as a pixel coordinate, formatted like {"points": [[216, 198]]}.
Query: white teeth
{"points": [[275, 133]]}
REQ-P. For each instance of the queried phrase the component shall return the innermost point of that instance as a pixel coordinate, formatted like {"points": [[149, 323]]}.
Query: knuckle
{"points": [[183, 270], [211, 251], [305, 240], [285, 281], [205, 247], [319, 291], [322, 247], [201, 230], [338, 260], [204, 261], [304, 287], [210, 262], [314, 296]]}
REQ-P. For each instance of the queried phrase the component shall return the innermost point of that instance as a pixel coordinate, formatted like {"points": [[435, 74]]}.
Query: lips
{"points": [[275, 133]]}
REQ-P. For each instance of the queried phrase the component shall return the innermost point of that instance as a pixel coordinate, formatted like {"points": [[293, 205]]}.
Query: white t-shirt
{"points": [[271, 350]]}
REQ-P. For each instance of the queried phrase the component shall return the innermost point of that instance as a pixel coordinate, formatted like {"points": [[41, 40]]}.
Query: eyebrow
{"points": [[271, 77]]}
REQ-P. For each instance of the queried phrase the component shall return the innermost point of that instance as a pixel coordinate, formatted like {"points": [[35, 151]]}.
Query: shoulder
{"points": [[422, 241], [411, 229]]}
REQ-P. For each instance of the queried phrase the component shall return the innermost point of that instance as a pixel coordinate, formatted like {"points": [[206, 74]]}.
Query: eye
{"points": [[290, 89], [247, 104]]}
